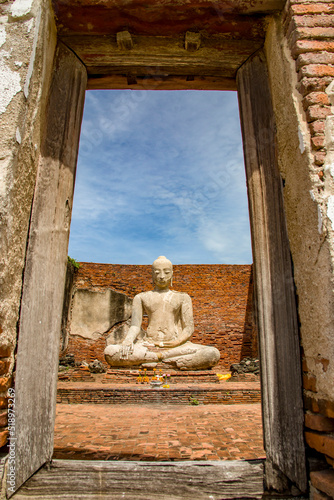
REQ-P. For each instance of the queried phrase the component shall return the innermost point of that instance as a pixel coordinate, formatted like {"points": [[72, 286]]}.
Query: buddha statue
{"points": [[170, 327]]}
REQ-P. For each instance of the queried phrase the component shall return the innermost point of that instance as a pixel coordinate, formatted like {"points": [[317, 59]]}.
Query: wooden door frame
{"points": [[277, 476]]}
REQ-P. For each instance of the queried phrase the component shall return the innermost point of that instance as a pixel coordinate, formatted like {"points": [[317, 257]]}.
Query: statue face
{"points": [[162, 274]]}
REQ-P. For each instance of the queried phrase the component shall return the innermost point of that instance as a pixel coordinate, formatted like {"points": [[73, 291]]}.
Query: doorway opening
{"points": [[160, 173]]}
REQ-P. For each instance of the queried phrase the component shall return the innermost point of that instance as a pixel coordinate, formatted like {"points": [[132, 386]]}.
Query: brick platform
{"points": [[226, 393]]}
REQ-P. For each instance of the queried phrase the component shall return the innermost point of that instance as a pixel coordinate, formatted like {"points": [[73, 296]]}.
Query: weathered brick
{"points": [[323, 480], [317, 127], [318, 405], [5, 383], [5, 350], [3, 402], [319, 422], [320, 2], [320, 442], [307, 85], [317, 112], [3, 418], [314, 21], [318, 142], [4, 366], [316, 70], [323, 362], [309, 383], [314, 58], [315, 98], [3, 438], [319, 158], [302, 46], [318, 33], [304, 365], [318, 495], [312, 8]]}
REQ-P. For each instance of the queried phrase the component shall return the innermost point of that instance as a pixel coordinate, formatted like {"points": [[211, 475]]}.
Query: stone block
{"points": [[324, 481]]}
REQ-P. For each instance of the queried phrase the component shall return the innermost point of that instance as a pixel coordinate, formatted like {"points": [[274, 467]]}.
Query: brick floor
{"points": [[158, 432]]}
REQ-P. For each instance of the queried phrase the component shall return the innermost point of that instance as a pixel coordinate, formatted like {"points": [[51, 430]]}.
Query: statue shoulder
{"points": [[184, 297], [141, 295]]}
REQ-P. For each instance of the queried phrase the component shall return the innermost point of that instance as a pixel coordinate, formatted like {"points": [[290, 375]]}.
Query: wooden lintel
{"points": [[162, 55], [192, 41], [124, 40], [157, 82], [131, 79]]}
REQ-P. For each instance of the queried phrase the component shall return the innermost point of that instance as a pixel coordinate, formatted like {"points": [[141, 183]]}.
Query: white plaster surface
{"points": [[18, 135], [301, 140], [33, 55], [10, 83], [330, 209], [21, 8], [2, 35]]}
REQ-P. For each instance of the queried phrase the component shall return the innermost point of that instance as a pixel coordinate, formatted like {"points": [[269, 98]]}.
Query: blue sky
{"points": [[160, 173]]}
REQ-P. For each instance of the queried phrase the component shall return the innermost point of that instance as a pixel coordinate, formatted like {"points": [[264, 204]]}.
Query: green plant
{"points": [[73, 262], [193, 401]]}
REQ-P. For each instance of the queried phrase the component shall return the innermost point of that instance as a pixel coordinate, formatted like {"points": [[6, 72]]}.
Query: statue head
{"points": [[162, 272]]}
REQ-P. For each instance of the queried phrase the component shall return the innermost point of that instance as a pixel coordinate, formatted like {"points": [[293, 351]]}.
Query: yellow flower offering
{"points": [[166, 386], [222, 376]]}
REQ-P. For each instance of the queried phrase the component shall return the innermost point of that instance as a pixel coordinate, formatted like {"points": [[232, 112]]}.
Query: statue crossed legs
{"points": [[170, 326]]}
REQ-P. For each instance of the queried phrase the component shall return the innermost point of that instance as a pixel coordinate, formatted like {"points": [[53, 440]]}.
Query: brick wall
{"points": [[309, 28], [222, 303]]}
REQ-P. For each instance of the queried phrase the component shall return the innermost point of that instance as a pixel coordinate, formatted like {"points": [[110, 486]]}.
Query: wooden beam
{"points": [[239, 18], [45, 269], [80, 480], [276, 310], [158, 82], [162, 55]]}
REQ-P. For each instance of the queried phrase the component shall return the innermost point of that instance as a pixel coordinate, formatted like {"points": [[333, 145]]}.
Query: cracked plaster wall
{"points": [[27, 46], [309, 206]]}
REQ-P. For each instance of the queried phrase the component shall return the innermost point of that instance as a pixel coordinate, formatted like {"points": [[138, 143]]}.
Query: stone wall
{"points": [[300, 54], [222, 297]]}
